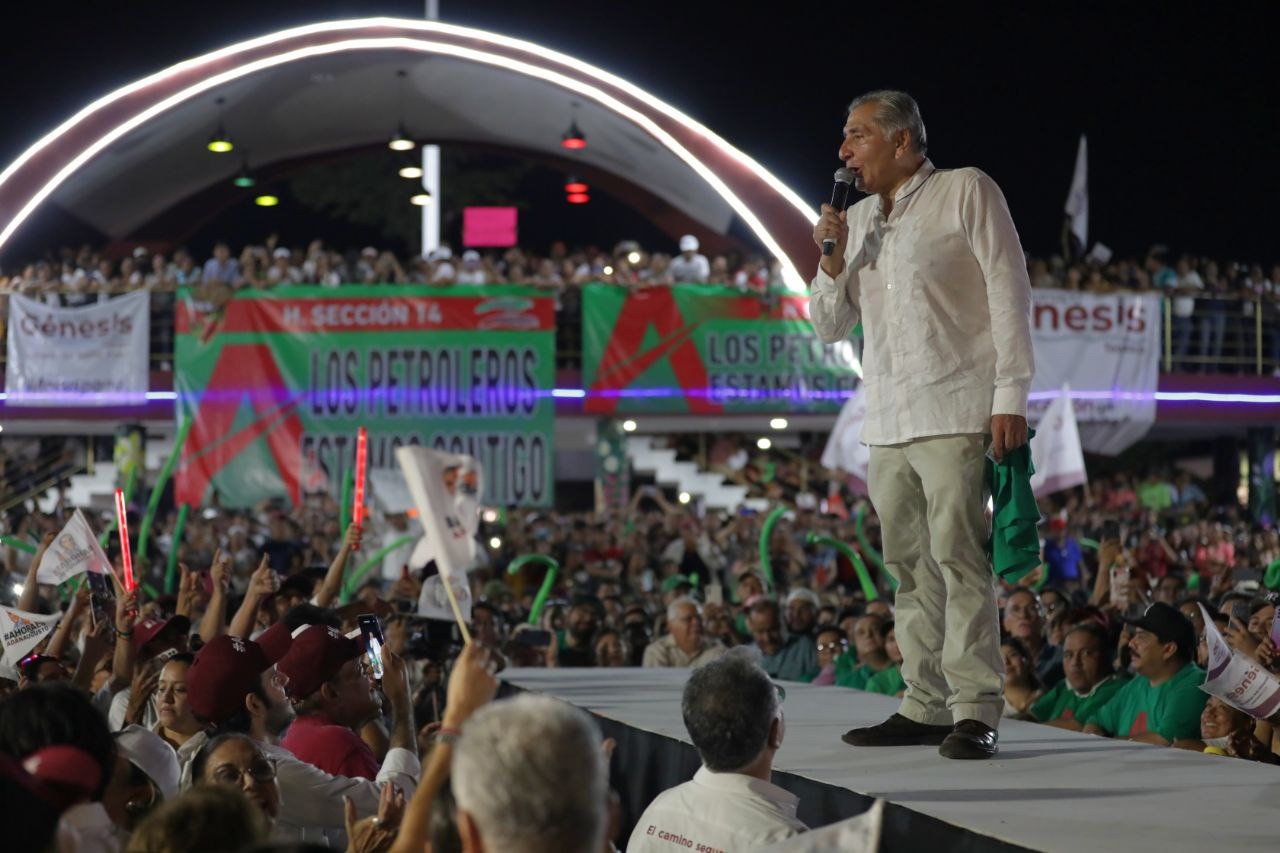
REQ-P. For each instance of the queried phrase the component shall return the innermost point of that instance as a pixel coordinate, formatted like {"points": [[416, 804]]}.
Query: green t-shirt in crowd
{"points": [[1171, 710], [887, 682], [1157, 496], [1063, 703]]}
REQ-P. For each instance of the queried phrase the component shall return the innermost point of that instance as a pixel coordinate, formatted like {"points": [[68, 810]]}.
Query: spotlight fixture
{"points": [[266, 200], [421, 199], [573, 185], [410, 172], [244, 179], [628, 425], [764, 444], [401, 141], [574, 139], [634, 257], [220, 143], [685, 497], [495, 543], [778, 423], [577, 198]]}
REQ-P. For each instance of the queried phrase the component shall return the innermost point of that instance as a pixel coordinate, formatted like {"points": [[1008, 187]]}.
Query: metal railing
{"points": [[1218, 333]]}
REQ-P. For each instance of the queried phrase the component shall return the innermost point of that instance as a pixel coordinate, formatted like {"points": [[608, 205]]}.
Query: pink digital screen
{"points": [[488, 226]]}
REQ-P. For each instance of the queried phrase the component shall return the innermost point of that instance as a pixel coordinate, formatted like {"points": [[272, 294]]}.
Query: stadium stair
{"points": [[667, 470]]}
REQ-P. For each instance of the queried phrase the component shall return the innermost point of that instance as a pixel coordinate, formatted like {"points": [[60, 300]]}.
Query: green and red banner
{"points": [[706, 349], [279, 381]]}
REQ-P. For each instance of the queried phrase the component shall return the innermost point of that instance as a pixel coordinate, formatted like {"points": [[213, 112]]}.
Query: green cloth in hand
{"points": [[1015, 542]]}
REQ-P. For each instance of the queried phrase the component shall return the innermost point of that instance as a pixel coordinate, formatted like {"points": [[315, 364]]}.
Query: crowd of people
{"points": [[1214, 305], [76, 275], [244, 699]]}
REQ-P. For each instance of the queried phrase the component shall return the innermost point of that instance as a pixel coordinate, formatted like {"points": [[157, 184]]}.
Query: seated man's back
{"points": [[717, 811], [731, 711]]}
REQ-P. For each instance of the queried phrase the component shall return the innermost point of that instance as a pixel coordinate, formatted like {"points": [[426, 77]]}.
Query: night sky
{"points": [[1179, 100]]}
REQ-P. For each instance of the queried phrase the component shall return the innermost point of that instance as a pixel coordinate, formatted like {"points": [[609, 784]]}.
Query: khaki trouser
{"points": [[930, 497]]}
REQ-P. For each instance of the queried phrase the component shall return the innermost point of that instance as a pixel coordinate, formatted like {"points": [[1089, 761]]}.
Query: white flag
{"points": [[845, 449], [20, 631], [433, 602], [1078, 198], [446, 488], [74, 551], [1056, 453], [1236, 678]]}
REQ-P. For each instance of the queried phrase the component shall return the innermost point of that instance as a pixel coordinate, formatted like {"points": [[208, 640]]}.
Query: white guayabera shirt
{"points": [[941, 288]]}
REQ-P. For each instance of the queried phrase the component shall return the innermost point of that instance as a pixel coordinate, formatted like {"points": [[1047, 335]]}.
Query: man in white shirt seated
{"points": [[733, 715], [685, 644]]}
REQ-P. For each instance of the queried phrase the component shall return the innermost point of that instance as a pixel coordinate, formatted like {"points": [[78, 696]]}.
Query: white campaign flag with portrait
{"points": [[446, 488], [21, 631], [74, 551]]}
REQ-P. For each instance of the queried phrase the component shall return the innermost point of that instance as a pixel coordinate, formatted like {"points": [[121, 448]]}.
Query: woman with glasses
{"points": [[235, 761]]}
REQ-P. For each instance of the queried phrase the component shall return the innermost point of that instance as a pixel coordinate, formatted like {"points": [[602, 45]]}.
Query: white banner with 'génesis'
{"points": [[95, 355], [1106, 347]]}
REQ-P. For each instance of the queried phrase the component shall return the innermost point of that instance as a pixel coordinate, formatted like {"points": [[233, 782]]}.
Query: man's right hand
{"points": [[471, 685], [831, 225]]}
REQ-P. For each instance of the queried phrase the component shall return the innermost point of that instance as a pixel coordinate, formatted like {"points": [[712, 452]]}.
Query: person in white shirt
{"points": [[686, 644], [931, 264], [689, 266], [734, 718], [472, 272]]}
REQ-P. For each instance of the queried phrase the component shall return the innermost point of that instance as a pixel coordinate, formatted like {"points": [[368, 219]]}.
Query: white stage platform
{"points": [[1047, 790]]}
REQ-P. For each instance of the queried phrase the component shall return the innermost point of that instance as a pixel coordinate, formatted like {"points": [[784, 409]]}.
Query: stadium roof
{"points": [[138, 154]]}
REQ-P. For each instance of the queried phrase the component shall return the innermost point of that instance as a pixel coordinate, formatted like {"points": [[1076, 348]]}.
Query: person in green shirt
{"points": [[1089, 684], [868, 644], [889, 681], [1164, 701]]}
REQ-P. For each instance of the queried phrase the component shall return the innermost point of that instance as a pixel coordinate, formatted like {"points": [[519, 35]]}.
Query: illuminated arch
{"points": [[774, 213]]}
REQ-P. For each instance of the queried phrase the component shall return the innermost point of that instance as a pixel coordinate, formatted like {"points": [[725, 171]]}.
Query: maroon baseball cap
{"points": [[226, 669], [148, 629], [65, 765], [317, 653]]}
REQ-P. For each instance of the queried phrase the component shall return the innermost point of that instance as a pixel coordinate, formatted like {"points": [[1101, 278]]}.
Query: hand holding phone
{"points": [[374, 640]]}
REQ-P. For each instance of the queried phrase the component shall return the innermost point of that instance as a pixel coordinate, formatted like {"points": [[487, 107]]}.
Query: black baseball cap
{"points": [[1170, 626]]}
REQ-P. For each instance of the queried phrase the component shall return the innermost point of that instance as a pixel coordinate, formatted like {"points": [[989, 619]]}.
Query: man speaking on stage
{"points": [[931, 265]]}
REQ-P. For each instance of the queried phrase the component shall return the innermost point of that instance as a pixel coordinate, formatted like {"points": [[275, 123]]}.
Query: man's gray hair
{"points": [[680, 602], [530, 772], [728, 708], [897, 111]]}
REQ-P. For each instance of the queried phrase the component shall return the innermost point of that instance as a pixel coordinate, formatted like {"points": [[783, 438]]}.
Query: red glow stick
{"points": [[122, 526], [362, 452]]}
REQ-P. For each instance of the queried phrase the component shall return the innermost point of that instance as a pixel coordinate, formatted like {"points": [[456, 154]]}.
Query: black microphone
{"points": [[839, 196]]}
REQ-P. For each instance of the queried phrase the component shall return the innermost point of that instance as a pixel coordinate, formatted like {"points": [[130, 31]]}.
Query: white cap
{"points": [[281, 252], [802, 594], [140, 252], [443, 253], [688, 243], [150, 754], [471, 255], [369, 251], [806, 500]]}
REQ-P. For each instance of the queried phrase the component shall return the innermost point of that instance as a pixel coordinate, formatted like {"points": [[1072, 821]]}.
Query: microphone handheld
{"points": [[839, 198]]}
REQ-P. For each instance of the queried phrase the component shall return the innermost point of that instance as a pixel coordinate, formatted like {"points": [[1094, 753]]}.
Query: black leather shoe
{"points": [[971, 739], [897, 731]]}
